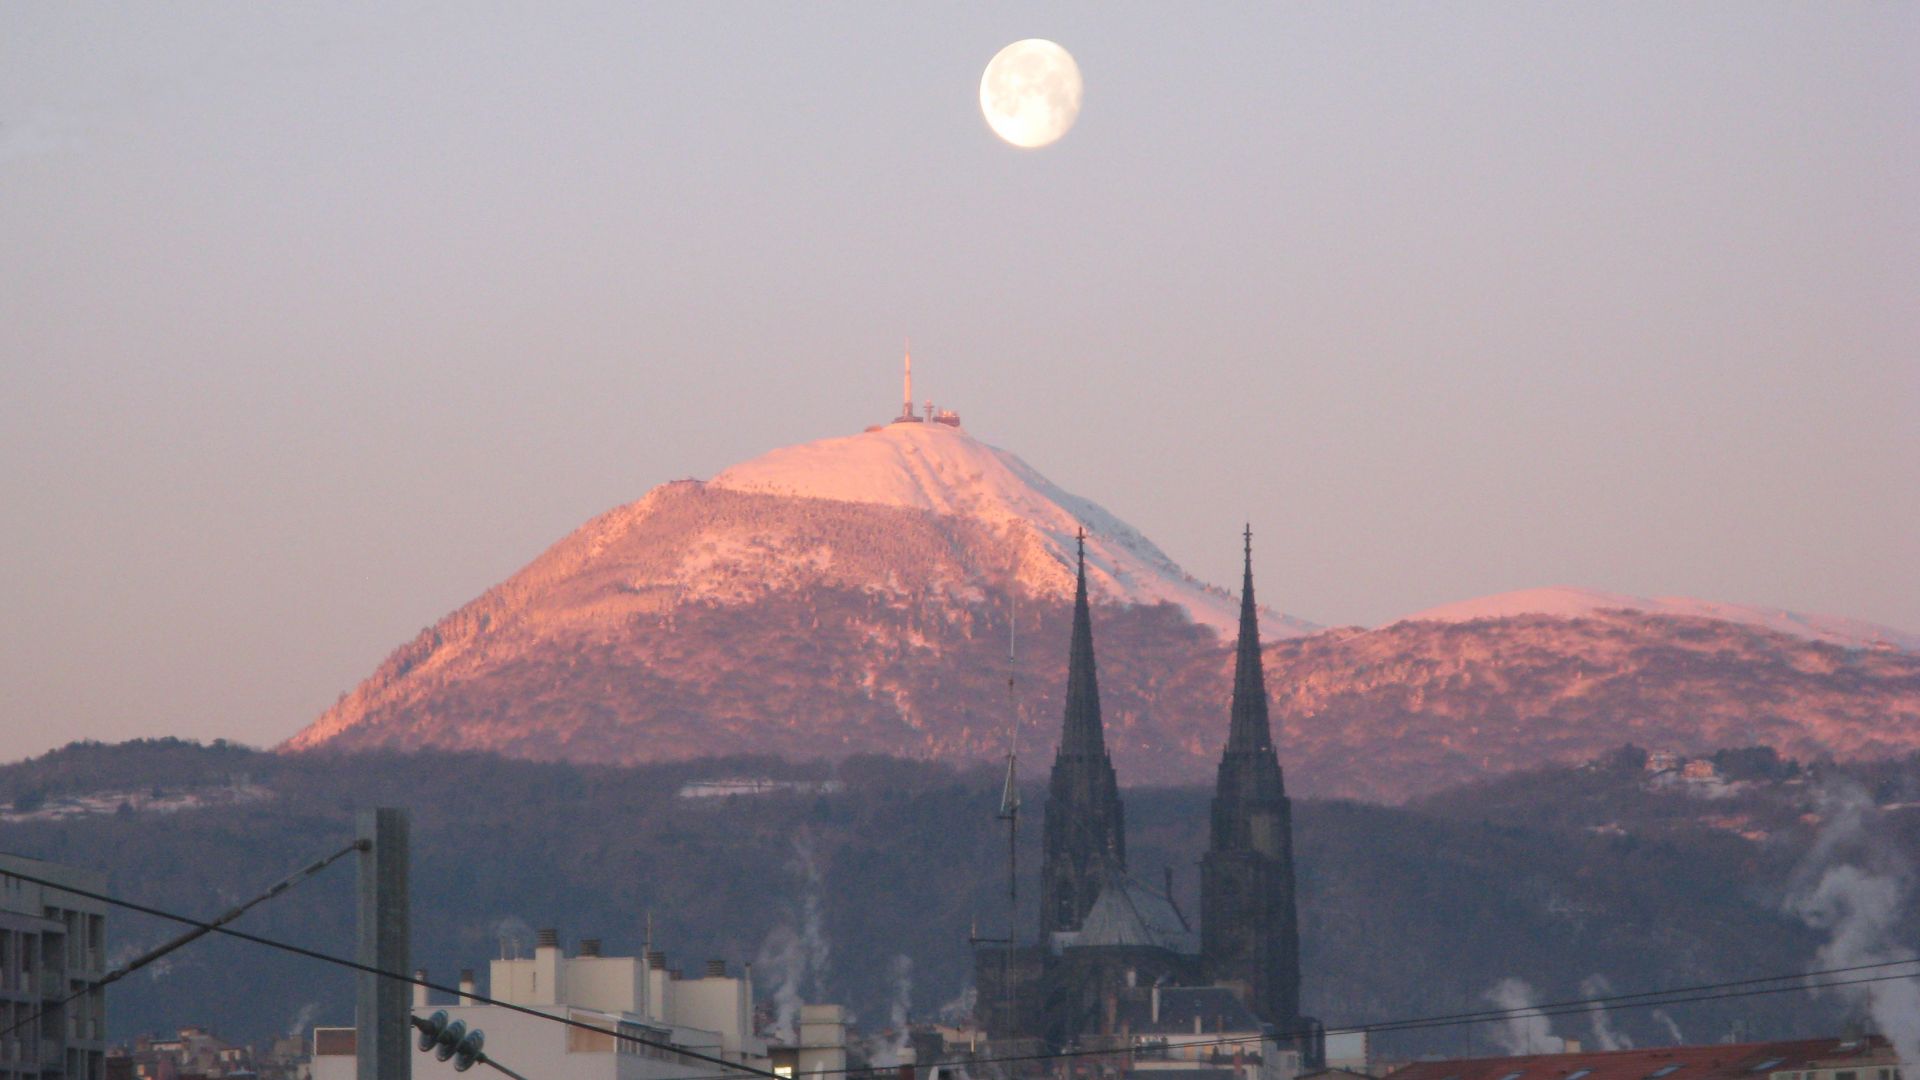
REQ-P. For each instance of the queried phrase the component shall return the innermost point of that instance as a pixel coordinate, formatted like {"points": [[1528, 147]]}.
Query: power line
{"points": [[1649, 999], [1642, 999], [314, 954], [185, 939], [1556, 1008]]}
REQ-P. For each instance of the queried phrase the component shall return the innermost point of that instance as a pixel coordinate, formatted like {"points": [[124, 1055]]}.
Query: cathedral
{"points": [[1106, 937]]}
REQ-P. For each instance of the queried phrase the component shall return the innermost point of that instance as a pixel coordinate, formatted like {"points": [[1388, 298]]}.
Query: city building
{"points": [[52, 944], [1855, 1058], [1200, 1033], [1106, 937], [195, 1053], [648, 1012]]}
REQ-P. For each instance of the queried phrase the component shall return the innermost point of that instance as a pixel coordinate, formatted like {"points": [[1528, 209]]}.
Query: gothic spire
{"points": [[1248, 729], [1082, 732]]}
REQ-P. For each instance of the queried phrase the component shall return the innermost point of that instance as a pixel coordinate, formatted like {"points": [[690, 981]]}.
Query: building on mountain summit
{"points": [[1109, 944], [907, 415]]}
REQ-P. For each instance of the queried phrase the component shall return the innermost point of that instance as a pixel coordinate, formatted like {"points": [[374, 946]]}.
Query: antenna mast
{"points": [[1010, 805]]}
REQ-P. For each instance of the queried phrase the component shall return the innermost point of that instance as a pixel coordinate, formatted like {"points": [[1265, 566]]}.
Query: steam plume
{"points": [[1604, 1036], [1673, 1029], [960, 1009], [1857, 889], [303, 1018], [894, 1051], [513, 934], [796, 951], [1526, 1031]]}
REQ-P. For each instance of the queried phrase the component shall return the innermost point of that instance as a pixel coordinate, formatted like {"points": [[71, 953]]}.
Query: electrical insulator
{"points": [[430, 1029], [468, 1051], [450, 1039]]}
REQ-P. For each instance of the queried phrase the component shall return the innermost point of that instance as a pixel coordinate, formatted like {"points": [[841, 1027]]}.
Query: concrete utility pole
{"points": [[382, 1011]]}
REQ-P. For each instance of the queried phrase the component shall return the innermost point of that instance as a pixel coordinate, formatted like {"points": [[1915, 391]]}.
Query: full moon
{"points": [[1030, 93]]}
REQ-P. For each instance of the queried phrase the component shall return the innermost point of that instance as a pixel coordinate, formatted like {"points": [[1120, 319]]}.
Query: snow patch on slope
{"points": [[1568, 602], [943, 469]]}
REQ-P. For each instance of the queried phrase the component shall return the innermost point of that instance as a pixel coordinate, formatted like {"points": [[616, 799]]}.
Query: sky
{"points": [[318, 320]]}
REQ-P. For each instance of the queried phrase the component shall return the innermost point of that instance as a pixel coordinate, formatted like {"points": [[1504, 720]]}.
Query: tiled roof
{"points": [[1736, 1061]]}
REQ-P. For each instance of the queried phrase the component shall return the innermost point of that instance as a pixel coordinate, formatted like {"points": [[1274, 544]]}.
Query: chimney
{"points": [[466, 986], [419, 991], [656, 960], [1156, 1002], [547, 969], [590, 946], [716, 969]]}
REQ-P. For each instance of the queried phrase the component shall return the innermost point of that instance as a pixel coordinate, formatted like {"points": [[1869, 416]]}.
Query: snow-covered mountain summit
{"points": [[943, 469], [1571, 603], [849, 596]]}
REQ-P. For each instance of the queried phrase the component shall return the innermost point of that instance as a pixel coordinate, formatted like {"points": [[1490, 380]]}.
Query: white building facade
{"points": [[645, 1014]]}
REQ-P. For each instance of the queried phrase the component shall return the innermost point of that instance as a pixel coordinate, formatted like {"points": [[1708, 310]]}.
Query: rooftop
{"points": [[1734, 1061]]}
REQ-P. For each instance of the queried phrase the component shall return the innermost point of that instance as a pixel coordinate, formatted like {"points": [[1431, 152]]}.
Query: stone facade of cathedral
{"points": [[1105, 937]]}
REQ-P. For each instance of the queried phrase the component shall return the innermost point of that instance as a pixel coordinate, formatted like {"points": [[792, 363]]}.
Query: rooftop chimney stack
{"points": [[547, 968], [466, 986], [419, 991], [716, 969], [590, 947]]}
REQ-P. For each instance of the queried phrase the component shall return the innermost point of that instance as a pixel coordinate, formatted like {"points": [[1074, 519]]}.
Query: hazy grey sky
{"points": [[317, 320]]}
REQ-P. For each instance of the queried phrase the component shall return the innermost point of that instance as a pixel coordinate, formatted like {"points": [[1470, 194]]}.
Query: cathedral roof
{"points": [[1129, 913]]}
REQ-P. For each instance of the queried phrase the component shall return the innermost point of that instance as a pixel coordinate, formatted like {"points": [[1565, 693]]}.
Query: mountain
{"points": [[1570, 603], [857, 595], [943, 471], [847, 595], [1419, 705]]}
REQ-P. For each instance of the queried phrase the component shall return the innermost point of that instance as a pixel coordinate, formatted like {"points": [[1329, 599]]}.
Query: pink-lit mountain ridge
{"points": [[1572, 603], [852, 595]]}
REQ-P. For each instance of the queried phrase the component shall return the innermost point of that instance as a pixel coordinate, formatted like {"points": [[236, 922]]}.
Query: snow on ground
{"points": [[1569, 602], [945, 470]]}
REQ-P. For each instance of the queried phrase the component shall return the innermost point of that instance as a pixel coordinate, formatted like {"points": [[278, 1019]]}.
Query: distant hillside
{"points": [[1573, 603], [1552, 876]]}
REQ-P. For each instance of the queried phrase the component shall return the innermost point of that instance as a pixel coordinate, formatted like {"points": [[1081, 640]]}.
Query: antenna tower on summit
{"points": [[906, 390], [907, 415]]}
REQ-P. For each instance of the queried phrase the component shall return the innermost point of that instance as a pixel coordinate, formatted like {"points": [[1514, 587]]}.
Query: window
{"points": [[1770, 1063], [1576, 1074], [1669, 1070], [1511, 1076]]}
